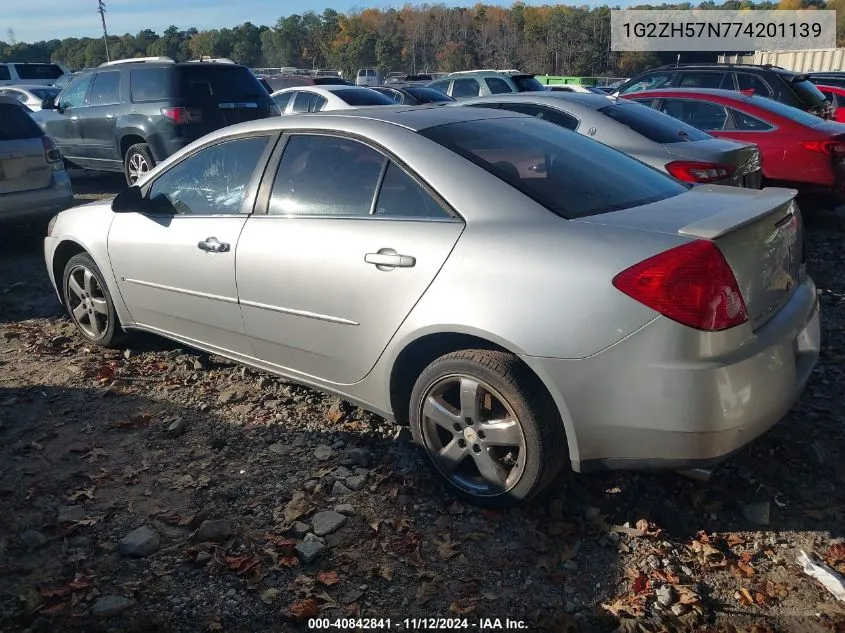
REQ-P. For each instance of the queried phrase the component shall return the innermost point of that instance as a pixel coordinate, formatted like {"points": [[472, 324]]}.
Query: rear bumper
{"points": [[38, 203], [660, 399]]}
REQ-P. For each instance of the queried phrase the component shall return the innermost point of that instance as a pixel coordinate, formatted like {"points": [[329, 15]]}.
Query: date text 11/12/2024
{"points": [[416, 624]]}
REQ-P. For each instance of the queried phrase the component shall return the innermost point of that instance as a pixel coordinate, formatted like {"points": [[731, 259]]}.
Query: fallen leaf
{"points": [[687, 596], [639, 583], [296, 507], [666, 576], [385, 572], [427, 590], [327, 578], [745, 598], [446, 547], [462, 607], [760, 599], [351, 610], [269, 596], [94, 453], [745, 568], [135, 422], [735, 539], [642, 525], [86, 493], [304, 609]]}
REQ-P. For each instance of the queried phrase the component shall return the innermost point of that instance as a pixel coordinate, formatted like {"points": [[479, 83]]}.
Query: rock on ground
{"points": [[142, 541], [214, 530], [110, 606], [327, 522]]}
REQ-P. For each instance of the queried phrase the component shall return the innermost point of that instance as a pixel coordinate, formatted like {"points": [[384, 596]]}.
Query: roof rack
{"points": [[140, 60], [216, 60]]}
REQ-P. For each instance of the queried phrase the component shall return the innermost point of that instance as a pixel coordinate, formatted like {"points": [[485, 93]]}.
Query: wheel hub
{"points": [[469, 435]]}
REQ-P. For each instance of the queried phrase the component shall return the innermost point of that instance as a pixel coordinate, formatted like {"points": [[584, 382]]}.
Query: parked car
{"points": [[289, 80], [17, 73], [410, 94], [475, 83], [798, 149], [656, 139], [669, 325], [128, 116], [828, 79], [319, 98], [33, 182], [836, 96], [782, 85], [368, 77], [33, 97]]}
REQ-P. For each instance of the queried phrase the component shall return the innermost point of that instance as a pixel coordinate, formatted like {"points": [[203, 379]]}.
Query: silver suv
{"points": [[483, 83]]}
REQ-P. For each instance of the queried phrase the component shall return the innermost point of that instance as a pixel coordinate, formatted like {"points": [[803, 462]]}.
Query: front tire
{"points": [[489, 428], [137, 162], [89, 303]]}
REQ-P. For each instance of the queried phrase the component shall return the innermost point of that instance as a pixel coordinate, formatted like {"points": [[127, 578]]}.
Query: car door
{"points": [[348, 245], [97, 120], [175, 263], [63, 123]]}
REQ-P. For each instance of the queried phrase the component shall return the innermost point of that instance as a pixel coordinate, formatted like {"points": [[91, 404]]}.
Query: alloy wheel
{"points": [[472, 435], [87, 302], [137, 166]]}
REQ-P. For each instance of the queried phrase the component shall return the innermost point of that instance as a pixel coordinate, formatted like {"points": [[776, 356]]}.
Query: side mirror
{"points": [[129, 201]]}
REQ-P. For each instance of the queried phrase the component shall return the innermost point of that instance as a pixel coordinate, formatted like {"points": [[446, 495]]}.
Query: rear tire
{"points": [[491, 432], [137, 162]]}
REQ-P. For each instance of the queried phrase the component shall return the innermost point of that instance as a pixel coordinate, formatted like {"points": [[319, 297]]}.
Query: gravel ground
{"points": [[162, 489]]}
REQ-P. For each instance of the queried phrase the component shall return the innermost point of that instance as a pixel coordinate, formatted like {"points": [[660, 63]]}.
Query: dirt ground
{"points": [[161, 489]]}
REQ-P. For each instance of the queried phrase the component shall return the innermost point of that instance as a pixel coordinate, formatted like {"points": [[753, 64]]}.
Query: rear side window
{"points": [[653, 125], [497, 86], [807, 92], [106, 89], [305, 102], [219, 83], [546, 114], [5, 75], [150, 84], [700, 114], [652, 81], [702, 79], [38, 71], [282, 100], [463, 88], [363, 97], [428, 95], [747, 123], [401, 197], [526, 83], [565, 172], [440, 86], [15, 123], [746, 81]]}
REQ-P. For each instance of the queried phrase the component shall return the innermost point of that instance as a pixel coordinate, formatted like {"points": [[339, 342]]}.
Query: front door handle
{"points": [[109, 116], [388, 259], [213, 245]]}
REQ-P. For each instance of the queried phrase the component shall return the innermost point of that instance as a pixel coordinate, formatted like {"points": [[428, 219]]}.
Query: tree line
{"points": [[551, 39]]}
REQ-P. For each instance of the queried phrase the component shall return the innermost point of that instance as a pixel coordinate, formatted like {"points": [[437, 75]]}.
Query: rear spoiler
{"points": [[798, 78], [765, 202]]}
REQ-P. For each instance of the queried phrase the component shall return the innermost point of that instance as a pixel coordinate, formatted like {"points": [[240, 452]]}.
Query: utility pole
{"points": [[101, 9]]}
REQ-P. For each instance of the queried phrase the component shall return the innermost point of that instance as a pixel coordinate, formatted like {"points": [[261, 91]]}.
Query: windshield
{"points": [[562, 170], [807, 92], [787, 111], [363, 97], [654, 125], [428, 95], [527, 83]]}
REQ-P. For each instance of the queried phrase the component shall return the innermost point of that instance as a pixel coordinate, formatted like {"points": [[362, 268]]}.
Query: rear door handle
{"points": [[388, 259], [213, 245], [109, 116]]}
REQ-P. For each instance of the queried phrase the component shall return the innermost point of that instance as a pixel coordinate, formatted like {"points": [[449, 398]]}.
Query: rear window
{"points": [[363, 97], [527, 83], [428, 95], [150, 84], [796, 114], [807, 92], [330, 81], [218, 84], [654, 125], [15, 123], [565, 172], [38, 71]]}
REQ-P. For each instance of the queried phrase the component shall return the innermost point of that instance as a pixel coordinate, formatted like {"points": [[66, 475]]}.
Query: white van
{"points": [[19, 73], [368, 77]]}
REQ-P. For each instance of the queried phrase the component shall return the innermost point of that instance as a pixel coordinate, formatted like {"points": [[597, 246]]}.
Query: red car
{"points": [[798, 149], [836, 96]]}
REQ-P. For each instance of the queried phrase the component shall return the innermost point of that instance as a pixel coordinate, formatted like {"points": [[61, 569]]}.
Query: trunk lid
{"points": [[23, 166], [743, 157], [760, 233]]}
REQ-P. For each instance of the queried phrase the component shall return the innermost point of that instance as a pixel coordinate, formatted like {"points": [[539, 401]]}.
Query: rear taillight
{"points": [[51, 153], [831, 148], [180, 115], [696, 171], [691, 284]]}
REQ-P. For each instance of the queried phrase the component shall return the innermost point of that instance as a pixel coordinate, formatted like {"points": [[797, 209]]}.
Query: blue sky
{"points": [[33, 20]]}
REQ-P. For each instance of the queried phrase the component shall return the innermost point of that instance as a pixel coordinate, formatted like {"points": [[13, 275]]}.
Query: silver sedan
{"points": [[34, 98], [416, 262], [660, 141]]}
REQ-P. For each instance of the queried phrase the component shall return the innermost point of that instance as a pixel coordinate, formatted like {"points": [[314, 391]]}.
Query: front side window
{"points": [[106, 89], [652, 81], [705, 116], [213, 181], [497, 86], [465, 88], [74, 96], [565, 172], [326, 176], [702, 79], [401, 197], [440, 86]]}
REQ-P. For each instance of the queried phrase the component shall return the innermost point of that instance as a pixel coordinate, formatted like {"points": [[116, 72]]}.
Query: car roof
{"points": [[733, 95], [322, 88], [716, 65]]}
